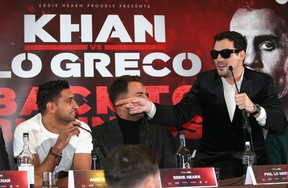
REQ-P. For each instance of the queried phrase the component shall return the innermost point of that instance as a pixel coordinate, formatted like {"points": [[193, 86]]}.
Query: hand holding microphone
{"points": [[244, 103], [76, 125], [65, 135], [242, 100]]}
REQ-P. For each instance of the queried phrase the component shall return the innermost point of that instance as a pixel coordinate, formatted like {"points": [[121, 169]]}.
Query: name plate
{"points": [[268, 174], [14, 179], [188, 177], [86, 178]]}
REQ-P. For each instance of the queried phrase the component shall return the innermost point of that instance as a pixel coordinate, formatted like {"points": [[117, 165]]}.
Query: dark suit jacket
{"points": [[222, 141], [4, 162], [109, 136]]}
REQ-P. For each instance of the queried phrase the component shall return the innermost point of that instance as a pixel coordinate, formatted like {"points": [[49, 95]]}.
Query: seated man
{"points": [[130, 166], [55, 139], [4, 162], [134, 129]]}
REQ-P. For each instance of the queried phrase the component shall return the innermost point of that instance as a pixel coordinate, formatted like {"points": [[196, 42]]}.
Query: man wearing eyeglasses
{"points": [[214, 96]]}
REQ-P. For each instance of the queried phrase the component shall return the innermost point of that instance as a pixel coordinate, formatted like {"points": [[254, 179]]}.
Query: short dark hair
{"points": [[239, 40], [120, 86], [128, 165], [50, 92]]}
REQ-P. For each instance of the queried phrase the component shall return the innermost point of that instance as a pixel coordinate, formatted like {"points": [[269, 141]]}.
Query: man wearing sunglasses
{"points": [[214, 96]]}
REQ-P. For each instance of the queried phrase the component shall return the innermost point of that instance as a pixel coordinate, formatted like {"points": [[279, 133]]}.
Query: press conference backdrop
{"points": [[90, 43]]}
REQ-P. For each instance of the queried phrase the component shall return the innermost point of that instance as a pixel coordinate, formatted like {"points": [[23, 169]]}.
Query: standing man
{"points": [[56, 143], [214, 96], [134, 129], [267, 51]]}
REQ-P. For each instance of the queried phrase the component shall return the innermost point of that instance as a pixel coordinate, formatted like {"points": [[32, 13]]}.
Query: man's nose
{"points": [[220, 58]]}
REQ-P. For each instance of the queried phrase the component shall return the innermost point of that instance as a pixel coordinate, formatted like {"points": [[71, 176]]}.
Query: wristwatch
{"points": [[58, 157], [258, 109]]}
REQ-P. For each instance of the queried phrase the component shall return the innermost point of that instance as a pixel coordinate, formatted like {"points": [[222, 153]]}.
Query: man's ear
{"points": [[242, 55], [51, 107]]}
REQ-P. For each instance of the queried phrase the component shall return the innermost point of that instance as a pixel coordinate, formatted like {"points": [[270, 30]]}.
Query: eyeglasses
{"points": [[225, 53]]}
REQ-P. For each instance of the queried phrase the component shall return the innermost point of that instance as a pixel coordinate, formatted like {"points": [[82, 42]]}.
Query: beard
{"points": [[65, 118], [222, 73], [222, 69], [137, 116]]}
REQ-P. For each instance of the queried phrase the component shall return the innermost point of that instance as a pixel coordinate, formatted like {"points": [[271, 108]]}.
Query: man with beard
{"points": [[214, 96], [54, 140], [134, 129], [267, 51]]}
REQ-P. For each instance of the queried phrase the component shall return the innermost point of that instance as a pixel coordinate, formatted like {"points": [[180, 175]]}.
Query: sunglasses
{"points": [[225, 53]]}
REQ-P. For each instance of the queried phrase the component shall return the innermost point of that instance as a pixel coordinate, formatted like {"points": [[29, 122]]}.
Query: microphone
{"points": [[243, 111], [83, 129], [95, 151], [149, 139], [231, 70], [246, 124]]}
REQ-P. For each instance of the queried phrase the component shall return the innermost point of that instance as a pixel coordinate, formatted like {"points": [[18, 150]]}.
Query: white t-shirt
{"points": [[41, 140]]}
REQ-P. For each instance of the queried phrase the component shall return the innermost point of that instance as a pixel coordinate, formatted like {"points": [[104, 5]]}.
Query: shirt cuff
{"points": [[152, 112], [262, 117]]}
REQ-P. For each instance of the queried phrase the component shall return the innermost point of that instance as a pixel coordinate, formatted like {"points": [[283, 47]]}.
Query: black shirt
{"points": [[130, 130]]}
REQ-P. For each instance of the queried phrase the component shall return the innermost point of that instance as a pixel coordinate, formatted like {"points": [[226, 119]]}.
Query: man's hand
{"points": [[65, 135], [244, 102], [136, 105]]}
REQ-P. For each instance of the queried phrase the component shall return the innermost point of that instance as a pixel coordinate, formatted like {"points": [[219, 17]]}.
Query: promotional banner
{"points": [[92, 42]]}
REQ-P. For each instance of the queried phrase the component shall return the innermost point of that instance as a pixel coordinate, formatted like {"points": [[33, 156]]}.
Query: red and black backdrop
{"points": [[91, 42]]}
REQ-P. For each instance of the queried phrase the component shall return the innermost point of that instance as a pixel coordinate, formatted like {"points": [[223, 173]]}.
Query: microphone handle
{"points": [[94, 150], [234, 81], [246, 121], [83, 129], [149, 140], [246, 124]]}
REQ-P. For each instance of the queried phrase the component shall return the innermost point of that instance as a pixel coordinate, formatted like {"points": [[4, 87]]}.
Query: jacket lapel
{"points": [[246, 83]]}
